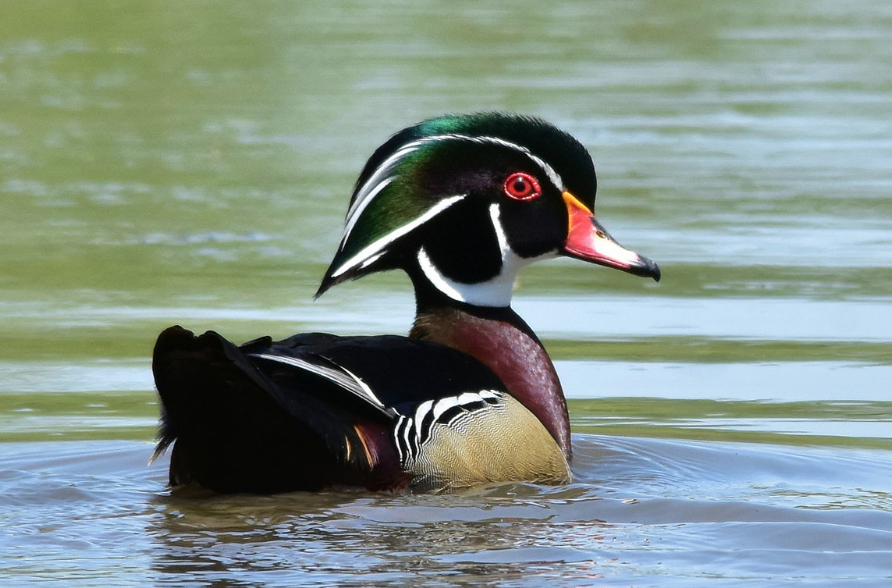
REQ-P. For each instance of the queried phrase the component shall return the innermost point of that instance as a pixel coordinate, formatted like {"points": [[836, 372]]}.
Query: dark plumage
{"points": [[460, 203]]}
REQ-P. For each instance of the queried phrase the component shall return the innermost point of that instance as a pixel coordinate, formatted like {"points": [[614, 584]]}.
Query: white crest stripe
{"points": [[377, 181], [371, 188], [354, 215], [549, 171], [392, 236]]}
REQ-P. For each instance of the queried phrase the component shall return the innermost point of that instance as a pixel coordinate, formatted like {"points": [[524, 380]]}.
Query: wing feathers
{"points": [[338, 375]]}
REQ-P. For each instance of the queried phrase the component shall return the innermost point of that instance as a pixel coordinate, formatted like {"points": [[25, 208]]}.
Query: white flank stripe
{"points": [[469, 398], [407, 426], [396, 437], [422, 411], [443, 405]]}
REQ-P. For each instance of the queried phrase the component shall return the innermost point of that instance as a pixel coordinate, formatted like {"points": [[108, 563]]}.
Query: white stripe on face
{"points": [[377, 246], [497, 291], [385, 174]]}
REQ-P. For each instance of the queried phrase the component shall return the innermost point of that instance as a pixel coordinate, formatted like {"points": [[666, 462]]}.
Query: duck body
{"points": [[470, 397]]}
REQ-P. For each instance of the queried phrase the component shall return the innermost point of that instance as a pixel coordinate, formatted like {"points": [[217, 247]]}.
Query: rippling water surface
{"points": [[178, 163]]}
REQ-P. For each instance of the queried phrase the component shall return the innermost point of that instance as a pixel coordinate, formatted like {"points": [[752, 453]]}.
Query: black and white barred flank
{"points": [[412, 433]]}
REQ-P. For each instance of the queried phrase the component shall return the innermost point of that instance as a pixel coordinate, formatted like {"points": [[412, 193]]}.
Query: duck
{"points": [[470, 397]]}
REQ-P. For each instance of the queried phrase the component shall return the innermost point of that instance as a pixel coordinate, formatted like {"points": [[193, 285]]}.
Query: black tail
{"points": [[236, 428]]}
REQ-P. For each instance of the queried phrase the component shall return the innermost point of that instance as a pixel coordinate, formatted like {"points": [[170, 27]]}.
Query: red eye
{"points": [[521, 186]]}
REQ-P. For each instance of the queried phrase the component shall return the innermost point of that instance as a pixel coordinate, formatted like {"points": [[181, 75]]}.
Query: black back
{"points": [[245, 421]]}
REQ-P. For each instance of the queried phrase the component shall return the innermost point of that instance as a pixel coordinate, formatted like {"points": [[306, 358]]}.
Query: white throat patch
{"points": [[495, 292]]}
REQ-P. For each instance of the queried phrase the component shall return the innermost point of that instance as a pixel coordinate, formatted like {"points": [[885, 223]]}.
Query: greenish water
{"points": [[190, 163]]}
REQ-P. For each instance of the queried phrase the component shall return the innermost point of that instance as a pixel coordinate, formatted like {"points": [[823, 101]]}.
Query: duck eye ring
{"points": [[521, 186]]}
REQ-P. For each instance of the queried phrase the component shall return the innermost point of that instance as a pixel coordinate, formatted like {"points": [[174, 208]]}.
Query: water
{"points": [[173, 163]]}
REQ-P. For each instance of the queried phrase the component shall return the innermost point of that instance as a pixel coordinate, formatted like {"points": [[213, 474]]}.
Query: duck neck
{"points": [[500, 339]]}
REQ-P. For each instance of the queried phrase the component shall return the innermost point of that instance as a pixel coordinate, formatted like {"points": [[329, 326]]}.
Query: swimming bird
{"points": [[461, 204]]}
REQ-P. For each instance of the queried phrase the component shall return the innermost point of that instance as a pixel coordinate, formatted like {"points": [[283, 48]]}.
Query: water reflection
{"points": [[636, 507], [164, 164]]}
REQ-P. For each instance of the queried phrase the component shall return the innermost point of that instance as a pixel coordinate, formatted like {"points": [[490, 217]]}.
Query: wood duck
{"points": [[470, 397]]}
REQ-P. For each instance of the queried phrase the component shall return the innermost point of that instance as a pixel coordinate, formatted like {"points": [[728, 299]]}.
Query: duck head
{"points": [[463, 203]]}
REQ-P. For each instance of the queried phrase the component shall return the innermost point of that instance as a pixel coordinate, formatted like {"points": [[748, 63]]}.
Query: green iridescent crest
{"points": [[387, 208], [425, 169]]}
